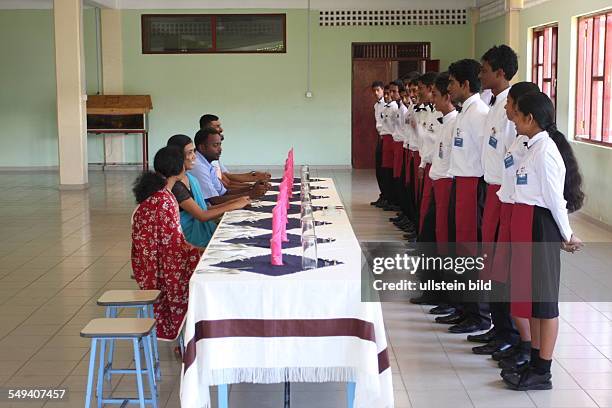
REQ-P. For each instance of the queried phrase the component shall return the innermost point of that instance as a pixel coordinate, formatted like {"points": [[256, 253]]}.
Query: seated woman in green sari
{"points": [[197, 218]]}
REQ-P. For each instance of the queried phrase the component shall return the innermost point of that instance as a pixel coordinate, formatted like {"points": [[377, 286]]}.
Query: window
{"points": [[544, 60], [593, 79], [213, 33]]}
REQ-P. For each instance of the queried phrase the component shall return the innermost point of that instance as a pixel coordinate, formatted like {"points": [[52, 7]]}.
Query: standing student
{"points": [[518, 355], [499, 65], [466, 167], [389, 117], [378, 92], [441, 182], [396, 89], [547, 187], [427, 124]]}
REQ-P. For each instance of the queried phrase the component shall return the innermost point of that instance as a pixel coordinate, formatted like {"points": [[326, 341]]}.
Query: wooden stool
{"points": [[111, 329], [142, 301]]}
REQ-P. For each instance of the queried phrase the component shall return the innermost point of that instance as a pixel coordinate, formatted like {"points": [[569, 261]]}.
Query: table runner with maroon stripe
{"points": [[309, 326]]}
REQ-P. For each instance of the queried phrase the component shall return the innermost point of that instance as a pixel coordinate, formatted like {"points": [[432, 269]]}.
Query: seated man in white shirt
{"points": [[234, 180], [208, 149]]}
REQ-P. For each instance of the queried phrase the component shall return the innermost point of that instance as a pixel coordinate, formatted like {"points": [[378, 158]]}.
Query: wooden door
{"points": [[364, 136]]}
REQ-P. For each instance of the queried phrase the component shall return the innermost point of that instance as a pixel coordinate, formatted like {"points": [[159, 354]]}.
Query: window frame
{"points": [[538, 32], [145, 40], [586, 83]]}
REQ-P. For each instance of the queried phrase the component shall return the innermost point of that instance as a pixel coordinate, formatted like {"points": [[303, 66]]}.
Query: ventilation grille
{"points": [[391, 50], [336, 18]]}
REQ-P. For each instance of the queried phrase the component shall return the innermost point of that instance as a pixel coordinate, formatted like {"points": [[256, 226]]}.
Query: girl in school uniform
{"points": [[519, 354], [547, 187]]}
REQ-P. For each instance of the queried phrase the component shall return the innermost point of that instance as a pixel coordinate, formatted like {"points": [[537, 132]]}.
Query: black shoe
{"points": [[514, 361], [399, 218], [392, 207], [409, 230], [442, 309], [491, 347], [424, 299], [382, 203], [469, 326], [508, 372], [529, 380], [453, 318], [482, 338], [404, 223], [377, 201], [502, 354], [410, 236]]}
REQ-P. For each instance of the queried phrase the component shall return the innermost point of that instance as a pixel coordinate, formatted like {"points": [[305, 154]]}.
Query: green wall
{"points": [[490, 33], [28, 135], [595, 161], [260, 98]]}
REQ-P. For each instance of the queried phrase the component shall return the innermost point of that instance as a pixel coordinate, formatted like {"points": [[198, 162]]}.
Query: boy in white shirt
{"points": [[378, 92]]}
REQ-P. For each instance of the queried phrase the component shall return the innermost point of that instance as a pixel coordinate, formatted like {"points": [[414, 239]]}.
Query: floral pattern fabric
{"points": [[162, 259]]}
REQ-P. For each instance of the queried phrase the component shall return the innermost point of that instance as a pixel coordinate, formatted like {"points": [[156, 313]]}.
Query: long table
{"points": [[307, 326]]}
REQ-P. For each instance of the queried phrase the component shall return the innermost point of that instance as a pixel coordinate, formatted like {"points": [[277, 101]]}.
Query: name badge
{"points": [[493, 142], [508, 161], [521, 179], [458, 139], [440, 153]]}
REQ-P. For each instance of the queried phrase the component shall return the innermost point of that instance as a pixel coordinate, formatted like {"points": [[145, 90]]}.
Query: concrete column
{"points": [[71, 94], [112, 74], [474, 19], [513, 24]]}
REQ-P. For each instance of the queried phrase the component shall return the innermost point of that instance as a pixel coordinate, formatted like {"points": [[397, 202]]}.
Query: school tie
{"points": [[492, 101], [440, 120]]}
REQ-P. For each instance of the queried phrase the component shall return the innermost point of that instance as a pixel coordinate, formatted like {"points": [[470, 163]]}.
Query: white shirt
{"points": [[440, 161], [389, 117], [465, 160], [418, 115], [499, 134], [540, 179], [377, 114], [512, 159], [428, 130], [407, 127], [400, 123]]}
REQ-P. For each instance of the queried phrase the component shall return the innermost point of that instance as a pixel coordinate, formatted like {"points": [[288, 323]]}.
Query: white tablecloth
{"points": [[310, 326]]}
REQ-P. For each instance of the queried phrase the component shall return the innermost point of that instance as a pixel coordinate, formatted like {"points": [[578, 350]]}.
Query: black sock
{"points": [[535, 355], [542, 366], [525, 346]]}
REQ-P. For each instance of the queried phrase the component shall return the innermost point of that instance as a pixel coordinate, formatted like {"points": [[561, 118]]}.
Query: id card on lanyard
{"points": [[493, 139], [508, 160], [521, 176], [458, 142]]}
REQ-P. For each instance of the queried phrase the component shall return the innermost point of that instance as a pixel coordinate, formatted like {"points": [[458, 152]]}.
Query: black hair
{"points": [[412, 77], [428, 78], [168, 162], [504, 58], [522, 88], [441, 83], [201, 136], [179, 141], [386, 88], [399, 84], [466, 70], [539, 105], [378, 84], [207, 119]]}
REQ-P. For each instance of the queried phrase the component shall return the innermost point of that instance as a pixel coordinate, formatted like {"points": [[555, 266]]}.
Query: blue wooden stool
{"points": [[142, 301], [108, 330]]}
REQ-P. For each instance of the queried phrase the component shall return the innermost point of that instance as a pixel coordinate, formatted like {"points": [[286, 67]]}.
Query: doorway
{"points": [[378, 62]]}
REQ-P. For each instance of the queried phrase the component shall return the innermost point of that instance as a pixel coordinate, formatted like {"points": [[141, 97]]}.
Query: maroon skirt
{"points": [[398, 158], [427, 192]]}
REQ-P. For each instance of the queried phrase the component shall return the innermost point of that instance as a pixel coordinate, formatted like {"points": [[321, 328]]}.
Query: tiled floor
{"points": [[60, 250]]}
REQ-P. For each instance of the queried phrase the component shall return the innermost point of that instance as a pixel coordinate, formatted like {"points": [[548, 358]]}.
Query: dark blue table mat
{"points": [[263, 241], [261, 264], [266, 223]]}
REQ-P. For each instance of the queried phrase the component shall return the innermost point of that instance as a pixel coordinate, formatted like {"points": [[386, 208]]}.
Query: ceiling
{"points": [[245, 4]]}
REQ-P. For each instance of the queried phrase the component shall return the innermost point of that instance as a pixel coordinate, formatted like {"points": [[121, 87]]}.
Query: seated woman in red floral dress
{"points": [[161, 257]]}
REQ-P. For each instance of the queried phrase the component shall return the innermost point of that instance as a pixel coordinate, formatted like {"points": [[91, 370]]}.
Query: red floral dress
{"points": [[162, 259]]}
